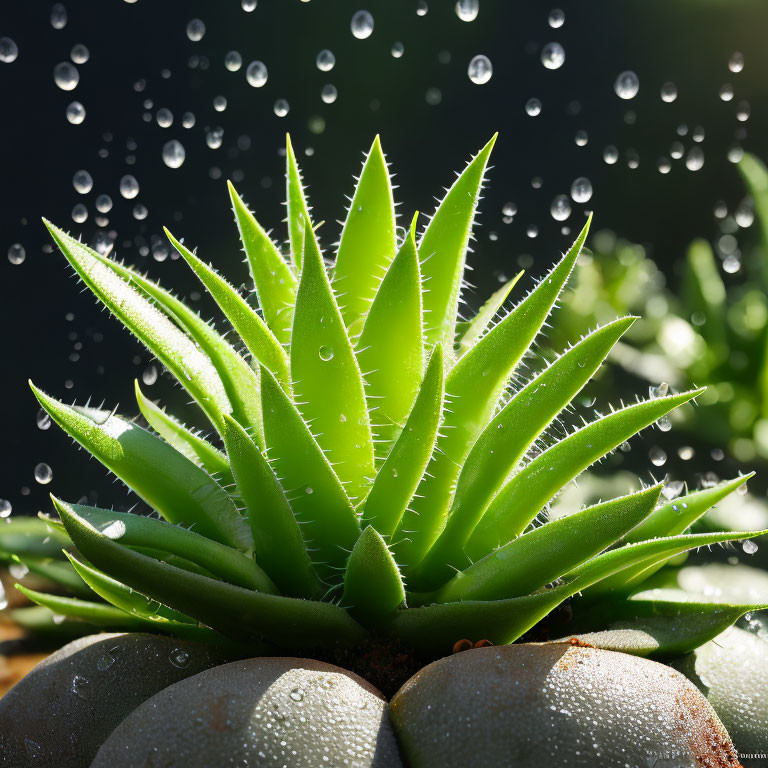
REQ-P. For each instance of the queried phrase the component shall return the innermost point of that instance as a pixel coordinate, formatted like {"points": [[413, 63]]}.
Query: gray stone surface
{"points": [[552, 705], [276, 712], [61, 712]]}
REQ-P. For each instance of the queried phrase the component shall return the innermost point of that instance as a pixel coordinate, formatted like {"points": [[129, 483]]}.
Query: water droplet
{"points": [[219, 103], [560, 208], [16, 254], [581, 190], [164, 117], [195, 30], [75, 113], [509, 209], [627, 85], [66, 76], [581, 138], [256, 74], [611, 155], [398, 49], [672, 489], [80, 686], [248, 5], [661, 391], [174, 154], [480, 69], [43, 474], [9, 51], [657, 456], [325, 60], [281, 107], [309, 490], [79, 213], [129, 187], [742, 111], [179, 658], [58, 16], [149, 376], [556, 18], [742, 489], [214, 137], [533, 107], [329, 93], [422, 8], [664, 423], [467, 10], [5, 508], [361, 25], [43, 420], [326, 353], [233, 61], [188, 120], [140, 212], [694, 160], [736, 62], [104, 662], [726, 92], [749, 547], [297, 694], [668, 92], [553, 55], [103, 203]]}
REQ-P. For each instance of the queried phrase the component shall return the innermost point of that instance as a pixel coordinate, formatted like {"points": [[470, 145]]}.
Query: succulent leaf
{"points": [[296, 203], [169, 482], [373, 587], [367, 244], [273, 279], [326, 377]]}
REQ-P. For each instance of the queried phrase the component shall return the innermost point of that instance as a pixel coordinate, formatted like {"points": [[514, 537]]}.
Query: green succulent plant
{"points": [[377, 467]]}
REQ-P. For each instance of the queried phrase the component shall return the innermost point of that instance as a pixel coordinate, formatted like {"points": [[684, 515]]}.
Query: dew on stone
{"points": [[174, 153], [5, 508], [256, 74], [694, 160], [233, 60], [195, 30], [326, 353], [79, 213], [16, 254], [627, 85], [480, 69], [107, 660], [328, 93], [325, 60], [281, 107], [219, 103], [361, 24], [736, 62], [75, 113], [581, 190], [66, 76], [726, 92], [43, 473], [560, 208], [657, 456], [467, 10], [553, 55], [668, 92], [611, 155], [58, 16], [129, 187], [556, 18], [9, 51], [533, 107], [398, 49]]}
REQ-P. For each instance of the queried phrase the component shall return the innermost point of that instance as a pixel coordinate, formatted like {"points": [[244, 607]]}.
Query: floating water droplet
{"points": [[281, 107], [325, 60], [611, 155], [103, 203], [58, 16], [735, 153], [480, 69], [581, 190], [676, 150], [694, 160], [532, 231], [43, 420], [188, 120], [749, 547], [433, 96], [745, 214], [66, 76], [149, 376], [556, 18], [5, 508], [174, 153], [553, 55], [661, 391], [467, 10], [398, 49], [164, 117], [256, 74], [581, 138], [129, 187], [742, 111], [75, 113], [219, 103], [731, 264], [79, 53], [509, 209], [140, 212], [533, 107], [179, 658], [736, 62], [362, 25], [248, 5], [422, 8], [329, 93], [657, 456], [627, 85], [233, 61], [9, 51], [195, 30], [79, 213], [214, 137], [326, 353], [686, 452], [43, 474], [668, 92], [17, 254], [664, 165], [726, 92], [560, 208]]}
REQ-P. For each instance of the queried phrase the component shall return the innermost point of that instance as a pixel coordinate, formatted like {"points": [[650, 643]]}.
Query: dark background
{"points": [[58, 337]]}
